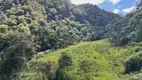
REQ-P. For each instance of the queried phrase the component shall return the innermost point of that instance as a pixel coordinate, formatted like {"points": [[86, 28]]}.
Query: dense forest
{"points": [[58, 40]]}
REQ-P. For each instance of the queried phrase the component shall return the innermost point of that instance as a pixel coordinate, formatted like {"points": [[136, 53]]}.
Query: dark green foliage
{"points": [[64, 63], [139, 34], [19, 12], [101, 19], [17, 50], [84, 65], [42, 22], [11, 22], [48, 70], [134, 63], [126, 30], [3, 17]]}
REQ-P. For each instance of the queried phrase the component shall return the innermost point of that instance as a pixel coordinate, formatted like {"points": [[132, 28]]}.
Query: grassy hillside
{"points": [[90, 61]]}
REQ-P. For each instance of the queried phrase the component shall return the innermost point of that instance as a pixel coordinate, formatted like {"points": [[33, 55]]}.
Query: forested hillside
{"points": [[127, 29], [96, 60], [32, 31]]}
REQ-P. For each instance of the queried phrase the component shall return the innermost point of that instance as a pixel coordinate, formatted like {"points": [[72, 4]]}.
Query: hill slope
{"points": [[127, 29], [44, 25], [87, 61], [97, 16]]}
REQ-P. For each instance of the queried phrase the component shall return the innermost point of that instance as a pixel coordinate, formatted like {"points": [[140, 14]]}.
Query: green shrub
{"points": [[13, 9], [53, 11], [65, 61], [11, 22], [28, 20], [21, 19], [0, 61], [19, 12], [134, 63], [42, 22], [136, 77], [13, 17], [9, 12], [27, 9], [3, 18], [3, 29]]}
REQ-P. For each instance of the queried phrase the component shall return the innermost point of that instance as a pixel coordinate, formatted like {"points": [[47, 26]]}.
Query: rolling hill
{"points": [[96, 60]]}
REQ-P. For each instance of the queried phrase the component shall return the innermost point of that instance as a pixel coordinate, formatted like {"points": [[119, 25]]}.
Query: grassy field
{"points": [[101, 61]]}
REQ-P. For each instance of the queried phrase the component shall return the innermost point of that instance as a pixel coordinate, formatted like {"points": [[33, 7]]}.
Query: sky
{"points": [[121, 7]]}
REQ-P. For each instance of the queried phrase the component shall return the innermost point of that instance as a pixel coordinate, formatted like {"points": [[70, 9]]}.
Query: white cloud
{"points": [[116, 10], [95, 2], [119, 6], [128, 10], [114, 1]]}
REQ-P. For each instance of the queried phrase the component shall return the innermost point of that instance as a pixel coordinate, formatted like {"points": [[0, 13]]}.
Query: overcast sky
{"points": [[117, 6]]}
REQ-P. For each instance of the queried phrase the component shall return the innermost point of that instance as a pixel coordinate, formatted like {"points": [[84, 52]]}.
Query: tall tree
{"points": [[18, 50]]}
